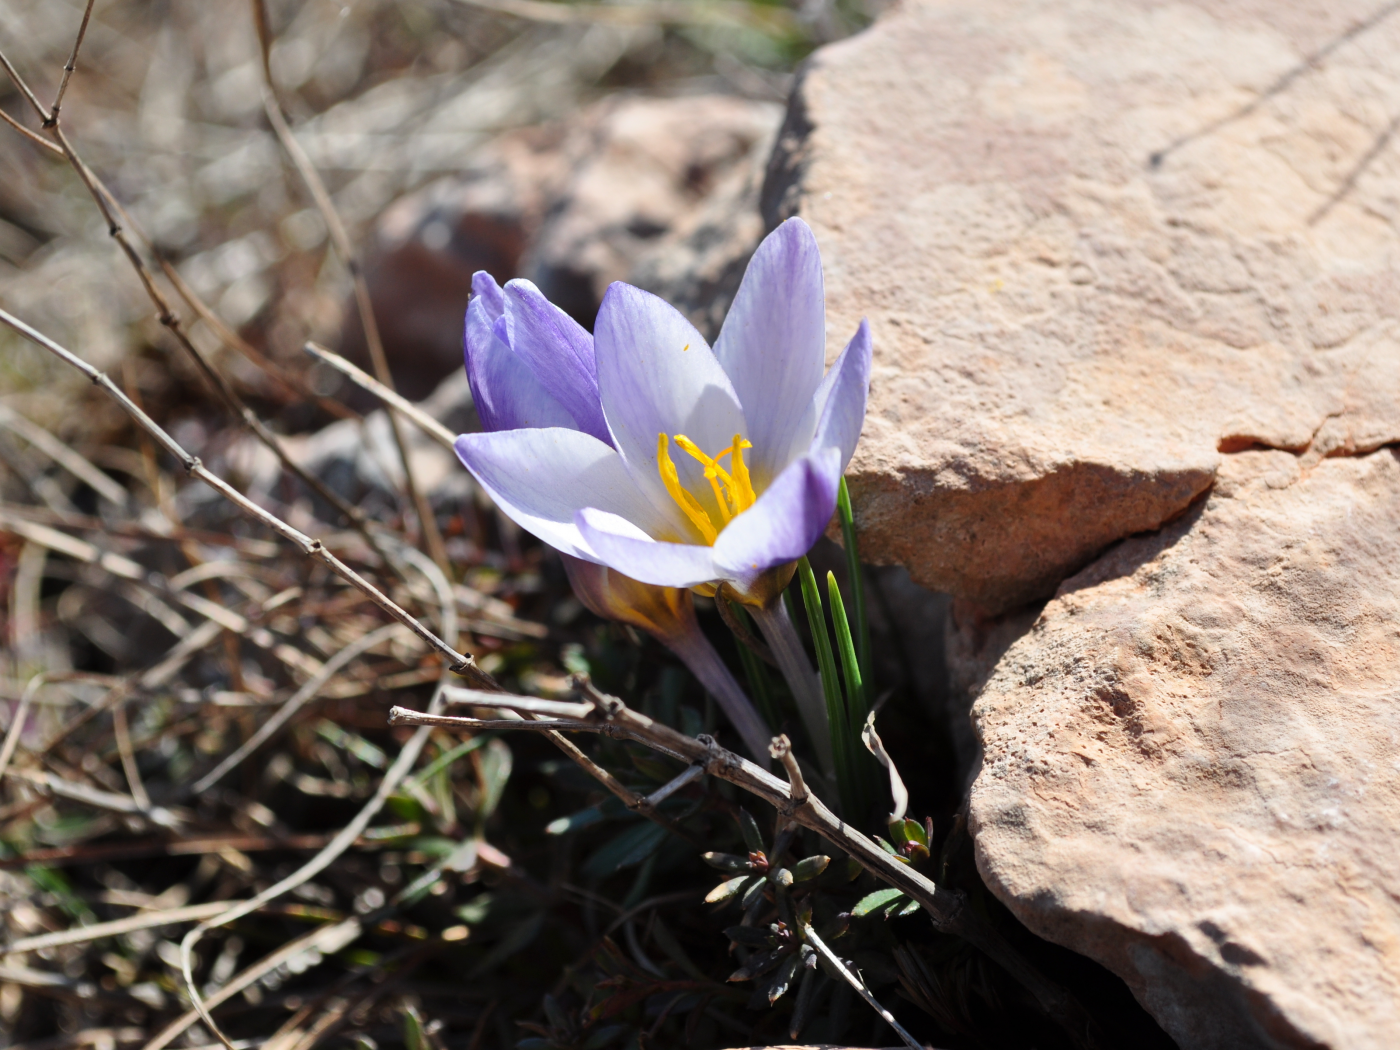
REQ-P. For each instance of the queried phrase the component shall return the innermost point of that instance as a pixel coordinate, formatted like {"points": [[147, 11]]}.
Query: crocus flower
{"points": [[643, 450]]}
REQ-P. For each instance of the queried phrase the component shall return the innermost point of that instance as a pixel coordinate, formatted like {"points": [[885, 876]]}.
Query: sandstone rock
{"points": [[1099, 243], [661, 192], [1190, 770]]}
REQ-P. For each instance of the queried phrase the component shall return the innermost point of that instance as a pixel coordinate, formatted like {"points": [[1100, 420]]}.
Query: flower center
{"points": [[732, 488]]}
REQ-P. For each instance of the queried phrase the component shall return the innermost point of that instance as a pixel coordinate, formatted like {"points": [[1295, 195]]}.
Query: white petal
{"points": [[773, 346], [657, 375], [620, 545], [542, 478]]}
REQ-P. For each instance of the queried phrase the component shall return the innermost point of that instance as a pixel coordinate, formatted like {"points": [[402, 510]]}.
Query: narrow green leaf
{"points": [[873, 902], [445, 760], [863, 770], [837, 721], [753, 838], [856, 576]]}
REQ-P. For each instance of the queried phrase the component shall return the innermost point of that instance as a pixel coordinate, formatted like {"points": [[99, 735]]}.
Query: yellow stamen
{"points": [[712, 475], [742, 486], [688, 503], [733, 493]]}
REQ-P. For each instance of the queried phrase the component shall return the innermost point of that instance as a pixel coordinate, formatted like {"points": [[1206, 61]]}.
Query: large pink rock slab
{"points": [[1100, 241], [1192, 761]]}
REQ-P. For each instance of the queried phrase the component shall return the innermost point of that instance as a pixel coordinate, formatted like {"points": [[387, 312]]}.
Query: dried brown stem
{"points": [[388, 395], [313, 548]]}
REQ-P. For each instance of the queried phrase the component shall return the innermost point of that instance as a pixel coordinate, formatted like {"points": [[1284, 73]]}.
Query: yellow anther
{"points": [[688, 503], [742, 486], [733, 492], [713, 473]]}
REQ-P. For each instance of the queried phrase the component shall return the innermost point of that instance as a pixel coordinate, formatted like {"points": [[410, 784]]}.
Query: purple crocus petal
{"points": [[620, 545], [785, 521], [559, 351], [506, 393], [657, 375], [773, 346], [542, 478], [842, 395]]}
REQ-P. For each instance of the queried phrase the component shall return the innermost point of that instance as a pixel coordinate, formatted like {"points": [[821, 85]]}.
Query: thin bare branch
{"points": [[388, 395], [141, 921], [32, 136], [836, 963], [313, 548], [69, 66]]}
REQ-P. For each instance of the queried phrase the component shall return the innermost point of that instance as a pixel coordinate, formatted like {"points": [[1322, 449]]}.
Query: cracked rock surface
{"points": [[1100, 243], [1190, 767]]}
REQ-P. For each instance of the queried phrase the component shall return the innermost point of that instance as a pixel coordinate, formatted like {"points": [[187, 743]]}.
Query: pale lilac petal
{"points": [[620, 545], [506, 393], [485, 288], [773, 346], [559, 351], [842, 396], [785, 521], [656, 375], [542, 478]]}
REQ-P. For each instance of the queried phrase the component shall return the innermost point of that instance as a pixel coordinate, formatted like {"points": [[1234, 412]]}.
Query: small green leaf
{"points": [[809, 868], [727, 861], [873, 902], [908, 830], [842, 743], [752, 893], [783, 980], [753, 838], [908, 909], [750, 936], [728, 889]]}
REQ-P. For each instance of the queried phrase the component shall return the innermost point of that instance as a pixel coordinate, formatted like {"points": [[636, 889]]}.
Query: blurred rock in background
{"points": [[662, 193]]}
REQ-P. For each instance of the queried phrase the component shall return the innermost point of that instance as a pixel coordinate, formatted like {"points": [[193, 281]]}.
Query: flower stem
{"points": [[806, 687], [699, 655]]}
